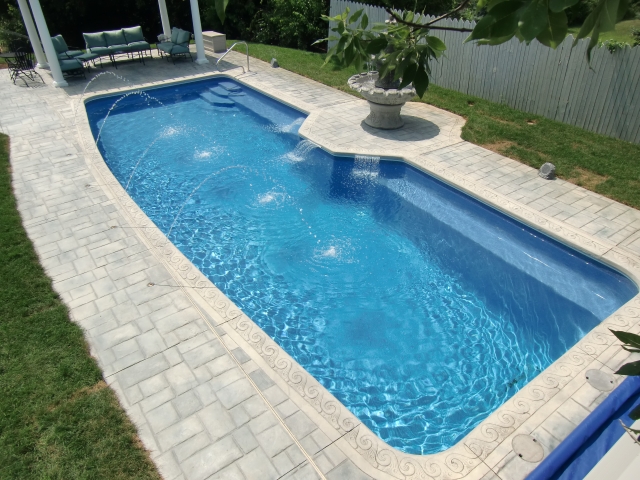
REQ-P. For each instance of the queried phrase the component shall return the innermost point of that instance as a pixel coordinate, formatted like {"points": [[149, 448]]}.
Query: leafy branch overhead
{"points": [[543, 20], [631, 343], [402, 50]]}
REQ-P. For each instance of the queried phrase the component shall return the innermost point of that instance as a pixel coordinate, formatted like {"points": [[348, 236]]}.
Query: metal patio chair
{"points": [[22, 65]]}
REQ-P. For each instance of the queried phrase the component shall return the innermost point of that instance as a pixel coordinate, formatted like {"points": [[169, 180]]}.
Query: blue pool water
{"points": [[419, 308]]}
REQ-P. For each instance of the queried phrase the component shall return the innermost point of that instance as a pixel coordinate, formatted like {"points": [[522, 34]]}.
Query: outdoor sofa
{"points": [[66, 53], [112, 42], [177, 45]]}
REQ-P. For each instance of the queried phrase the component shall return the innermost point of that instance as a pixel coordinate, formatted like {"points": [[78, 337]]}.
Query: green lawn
{"points": [[622, 33], [605, 165], [58, 419]]}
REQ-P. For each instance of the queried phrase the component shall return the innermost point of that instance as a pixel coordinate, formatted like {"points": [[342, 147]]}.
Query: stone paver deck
{"points": [[211, 395]]}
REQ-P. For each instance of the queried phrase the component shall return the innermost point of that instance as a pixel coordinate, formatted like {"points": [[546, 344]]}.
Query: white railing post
{"points": [[197, 32], [52, 56], [33, 34]]}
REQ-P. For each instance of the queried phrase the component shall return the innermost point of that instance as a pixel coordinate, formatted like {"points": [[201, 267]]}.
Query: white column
{"points": [[33, 34], [164, 17], [197, 32], [52, 56]]}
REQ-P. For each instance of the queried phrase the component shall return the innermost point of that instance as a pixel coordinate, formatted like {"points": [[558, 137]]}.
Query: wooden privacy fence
{"points": [[603, 97]]}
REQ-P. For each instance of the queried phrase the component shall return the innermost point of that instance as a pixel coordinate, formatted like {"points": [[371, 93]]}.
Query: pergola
{"points": [[48, 58]]}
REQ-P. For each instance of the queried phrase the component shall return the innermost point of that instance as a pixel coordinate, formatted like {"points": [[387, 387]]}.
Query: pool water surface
{"points": [[421, 309]]}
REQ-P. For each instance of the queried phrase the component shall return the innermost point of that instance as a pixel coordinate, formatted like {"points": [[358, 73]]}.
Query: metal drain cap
{"points": [[527, 448], [600, 380]]}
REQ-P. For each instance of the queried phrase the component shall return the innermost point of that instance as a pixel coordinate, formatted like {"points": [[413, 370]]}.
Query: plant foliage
{"points": [[543, 20], [399, 49], [631, 343]]}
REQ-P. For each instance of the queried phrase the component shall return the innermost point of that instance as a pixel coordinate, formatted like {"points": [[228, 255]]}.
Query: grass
{"points": [[622, 32], [605, 165], [58, 418]]}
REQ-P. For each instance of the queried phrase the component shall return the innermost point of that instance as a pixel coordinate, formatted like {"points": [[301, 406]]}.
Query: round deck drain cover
{"points": [[527, 448], [600, 380]]}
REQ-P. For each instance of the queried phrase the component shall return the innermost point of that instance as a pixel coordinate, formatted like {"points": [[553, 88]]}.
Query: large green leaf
{"points": [[482, 28], [631, 369], [377, 45], [496, 40], [436, 44], [409, 75], [559, 5], [556, 31], [221, 7], [635, 413], [507, 8], [421, 82], [627, 338], [354, 18], [534, 19], [506, 26], [492, 3], [364, 23], [404, 63], [349, 53]]}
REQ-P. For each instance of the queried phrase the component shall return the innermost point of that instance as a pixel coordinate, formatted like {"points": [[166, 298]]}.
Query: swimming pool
{"points": [[419, 308]]}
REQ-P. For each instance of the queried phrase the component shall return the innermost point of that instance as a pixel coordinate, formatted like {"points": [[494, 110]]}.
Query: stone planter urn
{"points": [[385, 103]]}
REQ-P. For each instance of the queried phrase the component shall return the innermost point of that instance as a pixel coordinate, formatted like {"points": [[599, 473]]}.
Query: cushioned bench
{"points": [[177, 46], [111, 42], [64, 52]]}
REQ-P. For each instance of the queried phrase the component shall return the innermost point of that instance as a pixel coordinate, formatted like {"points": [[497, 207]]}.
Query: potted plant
{"points": [[401, 52]]}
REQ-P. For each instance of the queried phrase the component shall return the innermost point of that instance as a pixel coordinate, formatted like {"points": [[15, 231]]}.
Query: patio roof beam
{"points": [[52, 56], [197, 32], [164, 17], [33, 34]]}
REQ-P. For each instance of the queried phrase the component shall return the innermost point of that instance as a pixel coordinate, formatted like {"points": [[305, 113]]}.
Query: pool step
{"points": [[216, 100], [230, 87], [218, 90]]}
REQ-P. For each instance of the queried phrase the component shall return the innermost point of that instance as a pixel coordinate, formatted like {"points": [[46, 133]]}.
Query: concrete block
{"points": [[211, 459], [216, 420]]}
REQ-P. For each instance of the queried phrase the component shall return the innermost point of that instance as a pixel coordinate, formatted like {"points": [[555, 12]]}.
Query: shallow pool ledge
{"points": [[547, 409]]}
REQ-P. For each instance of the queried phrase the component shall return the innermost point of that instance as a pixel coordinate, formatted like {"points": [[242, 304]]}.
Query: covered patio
{"points": [[45, 53]]}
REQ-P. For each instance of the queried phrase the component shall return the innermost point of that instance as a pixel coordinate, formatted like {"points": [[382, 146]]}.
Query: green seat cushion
{"points": [[99, 50], [133, 34], [70, 54], [165, 46], [177, 49], [114, 37], [59, 44], [69, 65], [137, 46], [87, 56], [94, 40], [183, 37], [174, 34], [119, 48]]}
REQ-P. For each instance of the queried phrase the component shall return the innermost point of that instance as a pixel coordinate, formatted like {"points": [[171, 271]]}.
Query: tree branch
{"points": [[452, 29], [448, 14], [428, 24]]}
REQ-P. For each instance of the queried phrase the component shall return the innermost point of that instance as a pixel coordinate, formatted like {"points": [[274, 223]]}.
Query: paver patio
{"points": [[210, 395]]}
